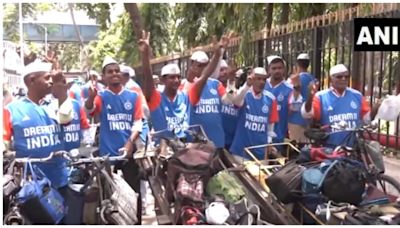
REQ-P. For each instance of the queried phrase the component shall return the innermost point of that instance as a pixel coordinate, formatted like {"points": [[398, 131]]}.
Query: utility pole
{"points": [[21, 35]]}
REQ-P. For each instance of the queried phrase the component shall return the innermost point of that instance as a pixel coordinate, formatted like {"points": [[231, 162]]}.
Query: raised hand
{"points": [[249, 81], [312, 89], [60, 87], [92, 89], [144, 42], [224, 42]]}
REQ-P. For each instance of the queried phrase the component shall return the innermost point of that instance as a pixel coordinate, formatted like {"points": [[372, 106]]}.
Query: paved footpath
{"points": [[392, 167]]}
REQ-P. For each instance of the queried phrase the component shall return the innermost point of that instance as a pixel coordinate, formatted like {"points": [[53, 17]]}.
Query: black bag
{"points": [[345, 182], [285, 184]]}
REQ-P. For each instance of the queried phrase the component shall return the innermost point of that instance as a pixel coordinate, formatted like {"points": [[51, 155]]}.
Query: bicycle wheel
{"points": [[388, 185]]}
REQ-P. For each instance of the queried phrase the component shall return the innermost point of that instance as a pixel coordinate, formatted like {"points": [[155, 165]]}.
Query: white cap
{"points": [[238, 73], [303, 56], [36, 66], [260, 71], [108, 60], [340, 68], [171, 68], [272, 58], [155, 76], [127, 70], [199, 56], [93, 72], [223, 63]]}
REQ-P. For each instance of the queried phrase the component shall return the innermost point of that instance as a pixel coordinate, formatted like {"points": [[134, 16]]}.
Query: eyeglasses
{"points": [[342, 76]]}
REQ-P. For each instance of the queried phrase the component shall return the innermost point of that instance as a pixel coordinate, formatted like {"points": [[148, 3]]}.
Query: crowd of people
{"points": [[267, 107]]}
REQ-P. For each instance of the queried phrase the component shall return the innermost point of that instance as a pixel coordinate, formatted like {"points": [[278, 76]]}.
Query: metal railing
{"points": [[328, 39]]}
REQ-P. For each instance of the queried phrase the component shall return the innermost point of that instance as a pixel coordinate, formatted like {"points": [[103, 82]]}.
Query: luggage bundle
{"points": [[310, 184], [203, 192], [188, 172]]}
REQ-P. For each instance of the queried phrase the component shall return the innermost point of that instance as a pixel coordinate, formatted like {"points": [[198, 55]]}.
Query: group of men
{"points": [[267, 108]]}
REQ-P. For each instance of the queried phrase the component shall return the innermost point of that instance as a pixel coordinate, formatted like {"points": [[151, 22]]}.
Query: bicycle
{"points": [[362, 151], [154, 161], [99, 169], [117, 200]]}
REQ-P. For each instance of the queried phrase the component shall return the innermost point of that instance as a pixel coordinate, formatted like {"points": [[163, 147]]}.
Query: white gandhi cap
{"points": [[340, 68], [260, 71], [35, 67], [272, 58], [199, 56], [127, 70], [172, 69], [93, 72], [107, 61], [303, 56], [223, 63]]}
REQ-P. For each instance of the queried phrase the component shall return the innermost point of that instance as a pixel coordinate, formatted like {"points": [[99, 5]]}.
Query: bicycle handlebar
{"points": [[99, 159], [45, 159], [69, 157]]}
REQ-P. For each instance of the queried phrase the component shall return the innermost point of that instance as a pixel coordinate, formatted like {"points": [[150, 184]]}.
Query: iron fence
{"points": [[375, 74]]}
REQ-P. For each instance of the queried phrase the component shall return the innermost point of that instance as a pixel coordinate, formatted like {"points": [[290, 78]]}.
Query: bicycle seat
{"points": [[316, 134]]}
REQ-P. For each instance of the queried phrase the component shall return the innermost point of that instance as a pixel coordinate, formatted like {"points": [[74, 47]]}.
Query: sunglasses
{"points": [[342, 76]]}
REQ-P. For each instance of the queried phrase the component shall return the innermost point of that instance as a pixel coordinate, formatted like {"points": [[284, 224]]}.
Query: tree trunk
{"points": [[284, 20], [269, 12], [285, 14], [85, 66], [136, 19], [268, 24]]}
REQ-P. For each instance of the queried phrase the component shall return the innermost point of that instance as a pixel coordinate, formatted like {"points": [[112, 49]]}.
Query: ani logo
{"points": [[213, 91], [265, 109], [353, 105], [166, 109], [128, 105]]}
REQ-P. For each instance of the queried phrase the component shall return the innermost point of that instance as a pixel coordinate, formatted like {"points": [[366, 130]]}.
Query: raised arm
{"points": [[209, 69], [144, 48]]}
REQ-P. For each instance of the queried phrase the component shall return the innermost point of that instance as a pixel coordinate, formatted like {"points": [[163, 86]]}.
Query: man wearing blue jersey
{"points": [[282, 91], [169, 109], [301, 80], [207, 112], [121, 116], [257, 115], [229, 112], [338, 104], [35, 129]]}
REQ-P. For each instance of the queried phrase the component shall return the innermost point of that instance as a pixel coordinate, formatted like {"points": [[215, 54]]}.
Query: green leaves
{"points": [[98, 11]]}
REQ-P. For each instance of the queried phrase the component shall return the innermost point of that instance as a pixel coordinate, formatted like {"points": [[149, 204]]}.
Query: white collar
{"points": [[269, 83], [336, 93], [119, 93]]}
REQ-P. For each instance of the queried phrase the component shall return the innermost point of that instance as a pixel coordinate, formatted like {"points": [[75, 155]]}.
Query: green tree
{"points": [[98, 11]]}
